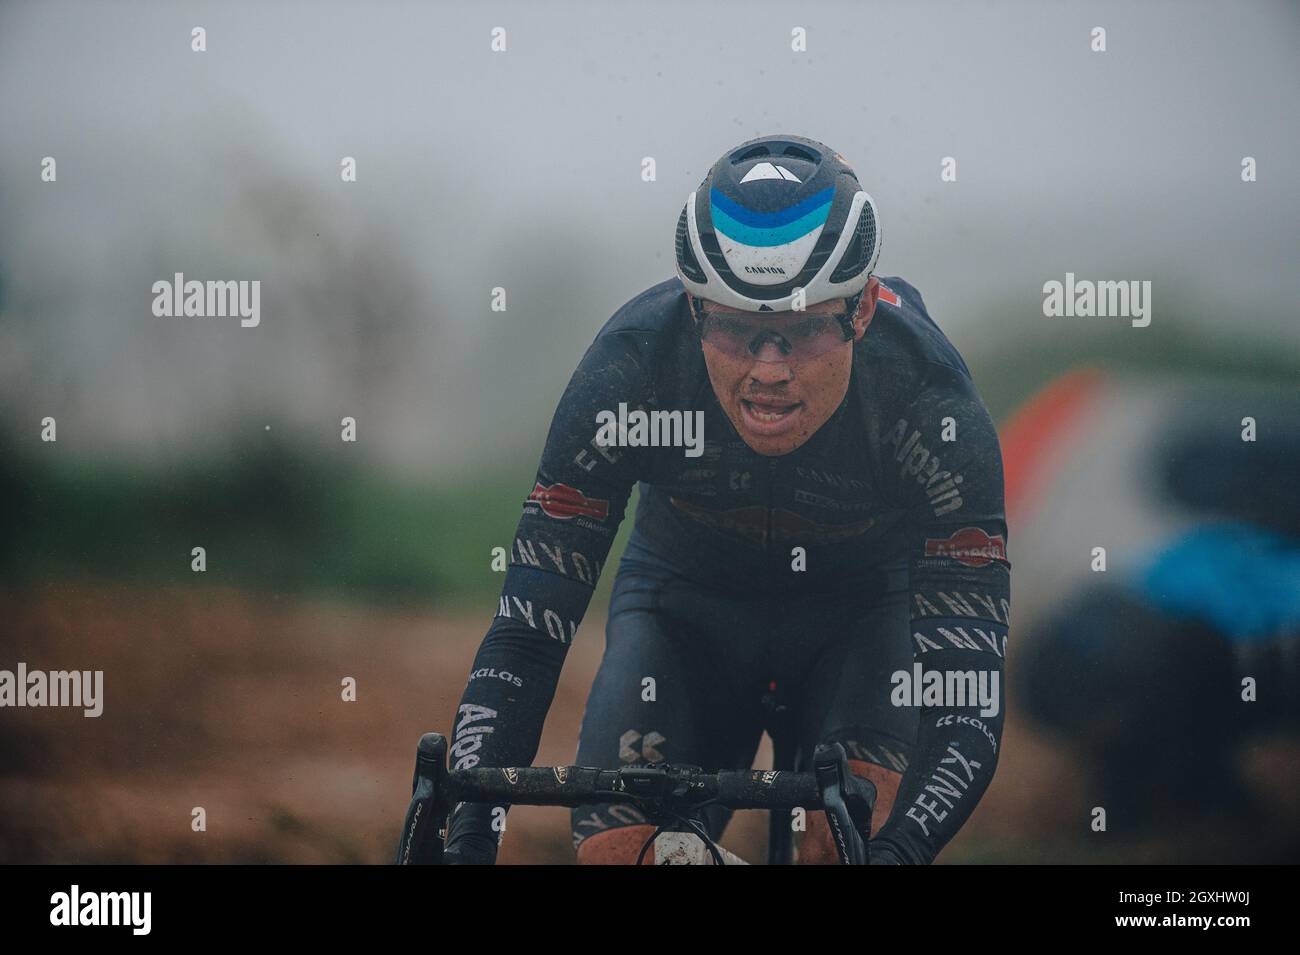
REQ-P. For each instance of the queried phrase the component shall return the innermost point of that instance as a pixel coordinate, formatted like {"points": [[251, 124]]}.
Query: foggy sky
{"points": [[523, 170]]}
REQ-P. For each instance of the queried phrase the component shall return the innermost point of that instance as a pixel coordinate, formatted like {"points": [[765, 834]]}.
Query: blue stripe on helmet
{"points": [[770, 220], [762, 238], [778, 234]]}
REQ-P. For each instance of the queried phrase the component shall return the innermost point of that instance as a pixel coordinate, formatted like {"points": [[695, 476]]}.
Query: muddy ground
{"points": [[231, 702]]}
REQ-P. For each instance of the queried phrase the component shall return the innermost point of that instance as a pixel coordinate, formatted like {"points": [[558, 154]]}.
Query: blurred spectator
{"points": [[1143, 666]]}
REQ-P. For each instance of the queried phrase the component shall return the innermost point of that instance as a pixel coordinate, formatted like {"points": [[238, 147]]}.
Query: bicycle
{"points": [[668, 795]]}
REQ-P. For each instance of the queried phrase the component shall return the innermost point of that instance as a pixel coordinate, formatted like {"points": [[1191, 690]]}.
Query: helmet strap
{"points": [[696, 311], [846, 323]]}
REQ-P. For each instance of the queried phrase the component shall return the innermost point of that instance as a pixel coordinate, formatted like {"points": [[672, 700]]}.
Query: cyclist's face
{"points": [[780, 377]]}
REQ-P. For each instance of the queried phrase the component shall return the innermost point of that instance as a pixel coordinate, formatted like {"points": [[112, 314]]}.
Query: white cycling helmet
{"points": [[773, 215]]}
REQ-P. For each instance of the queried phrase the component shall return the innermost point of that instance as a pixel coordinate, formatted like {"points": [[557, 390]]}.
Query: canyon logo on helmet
{"points": [[774, 215]]}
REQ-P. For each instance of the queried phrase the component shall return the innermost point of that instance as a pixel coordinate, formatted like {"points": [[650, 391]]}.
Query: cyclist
{"points": [[839, 519]]}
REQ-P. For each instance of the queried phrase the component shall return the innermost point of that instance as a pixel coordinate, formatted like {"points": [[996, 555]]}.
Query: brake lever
{"points": [[426, 816], [848, 801]]}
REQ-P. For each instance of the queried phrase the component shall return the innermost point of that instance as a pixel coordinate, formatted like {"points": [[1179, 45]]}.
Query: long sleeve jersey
{"points": [[907, 468]]}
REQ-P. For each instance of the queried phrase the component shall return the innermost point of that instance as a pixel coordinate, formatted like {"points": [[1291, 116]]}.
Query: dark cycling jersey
{"points": [[906, 472]]}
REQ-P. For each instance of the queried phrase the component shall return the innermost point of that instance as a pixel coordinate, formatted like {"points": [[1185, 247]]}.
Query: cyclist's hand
{"points": [[463, 855], [882, 853], [470, 839]]}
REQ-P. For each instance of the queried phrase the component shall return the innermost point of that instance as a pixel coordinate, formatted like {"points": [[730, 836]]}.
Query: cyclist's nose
{"points": [[769, 352], [771, 368]]}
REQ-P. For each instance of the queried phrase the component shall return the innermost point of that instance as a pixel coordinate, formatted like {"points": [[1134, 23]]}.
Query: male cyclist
{"points": [[838, 532]]}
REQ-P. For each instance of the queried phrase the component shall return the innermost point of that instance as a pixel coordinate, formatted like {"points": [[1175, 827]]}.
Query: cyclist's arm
{"points": [[960, 590], [573, 509]]}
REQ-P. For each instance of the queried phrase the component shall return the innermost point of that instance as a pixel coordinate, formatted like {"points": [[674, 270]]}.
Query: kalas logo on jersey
{"points": [[970, 545], [563, 502]]}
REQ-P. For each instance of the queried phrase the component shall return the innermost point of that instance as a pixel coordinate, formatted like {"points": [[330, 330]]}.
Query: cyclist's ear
{"points": [[866, 307]]}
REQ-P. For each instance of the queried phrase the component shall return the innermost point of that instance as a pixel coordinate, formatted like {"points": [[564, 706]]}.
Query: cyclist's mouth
{"points": [[769, 417]]}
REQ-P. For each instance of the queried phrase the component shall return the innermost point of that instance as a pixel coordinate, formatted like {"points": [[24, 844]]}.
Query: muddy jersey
{"points": [[907, 471]]}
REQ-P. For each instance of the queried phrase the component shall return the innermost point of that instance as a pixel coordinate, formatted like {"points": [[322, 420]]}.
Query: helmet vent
{"points": [[859, 248], [798, 152], [686, 260], [752, 153]]}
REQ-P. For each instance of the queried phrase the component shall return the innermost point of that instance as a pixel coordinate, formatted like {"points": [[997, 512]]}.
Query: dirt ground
{"points": [[233, 702]]}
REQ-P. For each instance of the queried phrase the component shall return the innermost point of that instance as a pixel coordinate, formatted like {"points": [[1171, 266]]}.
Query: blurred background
{"points": [[522, 170]]}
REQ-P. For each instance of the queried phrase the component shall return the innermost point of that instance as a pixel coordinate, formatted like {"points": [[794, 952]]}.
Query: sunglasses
{"points": [[796, 335]]}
